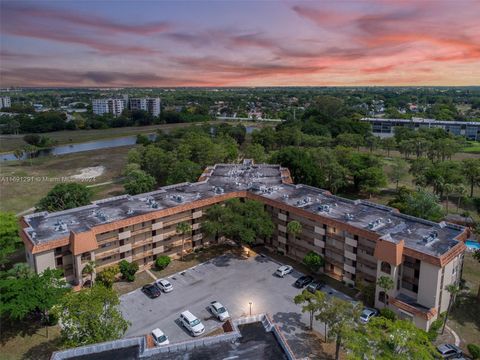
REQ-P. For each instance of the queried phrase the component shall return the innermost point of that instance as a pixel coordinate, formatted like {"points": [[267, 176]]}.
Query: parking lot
{"points": [[235, 283]]}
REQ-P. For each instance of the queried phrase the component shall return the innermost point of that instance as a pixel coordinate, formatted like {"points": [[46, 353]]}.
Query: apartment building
{"points": [[5, 102], [386, 127], [108, 106], [151, 105], [359, 240]]}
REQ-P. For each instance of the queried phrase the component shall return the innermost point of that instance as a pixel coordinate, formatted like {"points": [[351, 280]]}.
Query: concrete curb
{"points": [[457, 338]]}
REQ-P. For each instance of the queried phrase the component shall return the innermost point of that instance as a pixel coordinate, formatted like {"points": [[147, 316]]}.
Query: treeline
{"points": [[50, 121], [180, 155]]}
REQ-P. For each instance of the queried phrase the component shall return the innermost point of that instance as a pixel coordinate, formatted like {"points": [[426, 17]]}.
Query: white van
{"points": [[192, 323]]}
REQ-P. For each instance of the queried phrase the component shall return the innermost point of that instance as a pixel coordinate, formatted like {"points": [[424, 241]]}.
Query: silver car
{"points": [[218, 310], [164, 285]]}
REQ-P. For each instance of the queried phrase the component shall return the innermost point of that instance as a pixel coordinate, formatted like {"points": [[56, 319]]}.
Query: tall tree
{"points": [[382, 338], [341, 317], [89, 269], [313, 261], [471, 169], [386, 284], [399, 171], [65, 196], [138, 181], [453, 290], [183, 229], [91, 316], [294, 228], [9, 237], [22, 296], [311, 303]]}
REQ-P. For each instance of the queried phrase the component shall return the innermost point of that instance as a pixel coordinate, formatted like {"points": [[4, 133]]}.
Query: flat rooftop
{"points": [[423, 121], [269, 181]]}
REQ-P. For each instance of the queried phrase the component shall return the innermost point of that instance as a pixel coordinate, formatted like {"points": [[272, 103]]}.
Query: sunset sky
{"points": [[239, 43]]}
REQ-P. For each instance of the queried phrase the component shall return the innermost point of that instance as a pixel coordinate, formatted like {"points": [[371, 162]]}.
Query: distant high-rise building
{"points": [[152, 105], [5, 102], [108, 106]]}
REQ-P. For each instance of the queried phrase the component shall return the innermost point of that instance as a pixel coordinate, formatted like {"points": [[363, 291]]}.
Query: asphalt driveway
{"points": [[235, 283]]}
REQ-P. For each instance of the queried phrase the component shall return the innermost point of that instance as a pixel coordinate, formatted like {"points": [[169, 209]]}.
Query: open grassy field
{"points": [[20, 193], [465, 319]]}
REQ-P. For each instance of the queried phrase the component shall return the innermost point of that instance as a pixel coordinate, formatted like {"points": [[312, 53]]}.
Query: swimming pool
{"points": [[472, 245]]}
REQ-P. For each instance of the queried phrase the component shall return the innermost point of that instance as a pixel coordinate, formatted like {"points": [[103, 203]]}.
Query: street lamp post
{"points": [[250, 308]]}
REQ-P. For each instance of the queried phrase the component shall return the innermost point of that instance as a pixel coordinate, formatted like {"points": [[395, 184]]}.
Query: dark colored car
{"points": [[449, 351], [315, 286], [303, 281], [151, 291]]}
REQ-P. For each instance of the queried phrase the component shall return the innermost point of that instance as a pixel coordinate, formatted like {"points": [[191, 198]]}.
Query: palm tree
{"points": [[294, 228], [386, 284], [447, 189], [461, 192], [453, 289], [183, 228], [89, 269]]}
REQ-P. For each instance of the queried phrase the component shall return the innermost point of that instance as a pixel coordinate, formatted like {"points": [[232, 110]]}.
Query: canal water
{"points": [[88, 146]]}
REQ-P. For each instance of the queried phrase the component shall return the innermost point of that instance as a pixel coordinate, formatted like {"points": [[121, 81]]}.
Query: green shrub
{"points": [[107, 276], [474, 351], [388, 314], [162, 262], [313, 261], [436, 325], [128, 270]]}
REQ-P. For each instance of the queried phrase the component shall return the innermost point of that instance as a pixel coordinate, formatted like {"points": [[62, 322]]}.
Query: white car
{"points": [[218, 310], [164, 285], [283, 270], [192, 323], [367, 314], [159, 338]]}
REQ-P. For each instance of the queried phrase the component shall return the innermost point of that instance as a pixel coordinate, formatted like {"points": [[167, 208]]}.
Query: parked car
{"points": [[367, 314], [283, 270], [151, 291], [192, 323], [449, 351], [303, 281], [315, 286], [164, 285], [218, 310], [159, 338]]}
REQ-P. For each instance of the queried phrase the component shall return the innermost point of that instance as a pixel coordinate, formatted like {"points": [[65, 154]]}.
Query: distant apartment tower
{"points": [[152, 105], [5, 102], [108, 106]]}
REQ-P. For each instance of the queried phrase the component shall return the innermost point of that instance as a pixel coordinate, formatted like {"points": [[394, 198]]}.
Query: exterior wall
{"points": [[44, 260], [429, 285]]}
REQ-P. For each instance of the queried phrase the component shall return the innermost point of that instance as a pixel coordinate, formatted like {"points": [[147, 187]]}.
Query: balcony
{"points": [[282, 217], [104, 254], [319, 230], [410, 305], [319, 243], [176, 221], [351, 242], [349, 268], [124, 235], [350, 255]]}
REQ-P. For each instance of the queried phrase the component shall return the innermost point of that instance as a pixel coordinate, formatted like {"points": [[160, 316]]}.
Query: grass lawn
{"points": [[28, 340], [196, 258], [20, 195], [124, 287], [465, 319], [473, 147]]}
